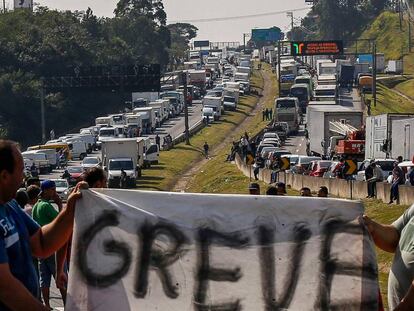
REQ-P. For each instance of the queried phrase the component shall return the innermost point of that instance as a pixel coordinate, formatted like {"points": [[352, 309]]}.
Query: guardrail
{"points": [[352, 189], [193, 130]]}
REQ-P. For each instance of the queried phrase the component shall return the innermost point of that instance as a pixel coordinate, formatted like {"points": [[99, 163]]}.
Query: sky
{"points": [[218, 31]]}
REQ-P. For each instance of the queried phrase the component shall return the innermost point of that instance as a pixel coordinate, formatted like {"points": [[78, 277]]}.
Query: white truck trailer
{"points": [[402, 139], [215, 103], [318, 124], [378, 135], [125, 154]]}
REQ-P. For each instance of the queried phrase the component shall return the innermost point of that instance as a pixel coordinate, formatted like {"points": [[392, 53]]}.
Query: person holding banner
{"points": [[21, 237], [397, 238]]}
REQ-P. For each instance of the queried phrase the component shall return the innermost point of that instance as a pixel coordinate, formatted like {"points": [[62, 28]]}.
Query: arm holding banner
{"points": [[14, 295], [53, 236], [386, 237], [408, 302]]}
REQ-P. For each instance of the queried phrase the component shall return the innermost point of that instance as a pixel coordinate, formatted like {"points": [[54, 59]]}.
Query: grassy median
{"points": [[219, 176], [174, 163]]}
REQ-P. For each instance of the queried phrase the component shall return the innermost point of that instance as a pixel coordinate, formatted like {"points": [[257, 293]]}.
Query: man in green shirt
{"points": [[45, 213]]}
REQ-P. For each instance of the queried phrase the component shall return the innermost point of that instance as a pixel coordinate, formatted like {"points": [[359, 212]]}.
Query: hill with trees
{"points": [[49, 41]]}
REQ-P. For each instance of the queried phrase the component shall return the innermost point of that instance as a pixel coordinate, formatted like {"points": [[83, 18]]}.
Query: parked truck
{"points": [[378, 132], [402, 139], [148, 119], [125, 154], [197, 78], [394, 67], [287, 110], [346, 75], [319, 118], [215, 103]]}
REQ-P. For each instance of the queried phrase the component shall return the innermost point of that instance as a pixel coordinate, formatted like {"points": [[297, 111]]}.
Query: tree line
{"points": [[340, 19], [33, 44]]}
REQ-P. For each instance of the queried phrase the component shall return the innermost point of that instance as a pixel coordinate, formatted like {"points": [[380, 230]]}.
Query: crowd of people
{"points": [[36, 227]]}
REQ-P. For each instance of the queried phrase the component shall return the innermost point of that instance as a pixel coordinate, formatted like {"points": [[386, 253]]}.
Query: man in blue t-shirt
{"points": [[21, 238]]}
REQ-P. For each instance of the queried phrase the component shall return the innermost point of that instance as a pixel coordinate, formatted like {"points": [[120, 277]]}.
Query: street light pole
{"points": [[290, 14], [186, 131], [42, 111]]}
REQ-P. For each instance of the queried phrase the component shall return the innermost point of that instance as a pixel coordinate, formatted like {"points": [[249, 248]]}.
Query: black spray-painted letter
{"points": [[112, 247]]}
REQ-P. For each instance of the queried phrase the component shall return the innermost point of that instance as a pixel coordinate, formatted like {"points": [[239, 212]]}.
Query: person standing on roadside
{"points": [[397, 180], [206, 149], [369, 173], [123, 179], [397, 238], [21, 237], [44, 213], [158, 141], [377, 176]]}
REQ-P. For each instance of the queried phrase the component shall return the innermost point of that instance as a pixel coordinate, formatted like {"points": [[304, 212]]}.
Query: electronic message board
{"points": [[306, 48]]}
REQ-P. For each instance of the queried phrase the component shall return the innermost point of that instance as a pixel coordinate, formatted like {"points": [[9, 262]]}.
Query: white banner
{"points": [[136, 250]]}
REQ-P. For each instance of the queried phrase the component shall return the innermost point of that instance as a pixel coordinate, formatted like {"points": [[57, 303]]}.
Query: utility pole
{"points": [[374, 73], [290, 14], [278, 66], [42, 111], [4, 6], [244, 41], [186, 131], [409, 30]]}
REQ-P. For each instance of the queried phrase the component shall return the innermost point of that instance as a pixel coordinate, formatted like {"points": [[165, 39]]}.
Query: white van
{"points": [[103, 121], [78, 148], [39, 159]]}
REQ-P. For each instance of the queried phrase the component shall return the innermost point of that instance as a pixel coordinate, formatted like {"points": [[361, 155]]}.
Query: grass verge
{"points": [[390, 102], [219, 176], [173, 163]]}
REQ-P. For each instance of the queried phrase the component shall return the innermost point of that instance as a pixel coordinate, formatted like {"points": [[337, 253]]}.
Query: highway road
{"points": [[297, 144], [176, 126]]}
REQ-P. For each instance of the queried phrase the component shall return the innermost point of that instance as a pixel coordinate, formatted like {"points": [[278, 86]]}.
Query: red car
{"points": [[75, 174], [318, 168]]}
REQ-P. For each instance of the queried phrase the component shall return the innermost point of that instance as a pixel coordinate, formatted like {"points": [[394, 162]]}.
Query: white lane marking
{"points": [[300, 145]]}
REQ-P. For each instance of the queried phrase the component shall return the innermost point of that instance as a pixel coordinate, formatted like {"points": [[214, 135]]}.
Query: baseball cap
{"points": [[47, 184], [254, 186]]}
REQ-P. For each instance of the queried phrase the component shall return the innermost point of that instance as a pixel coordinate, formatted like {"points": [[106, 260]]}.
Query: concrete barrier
{"points": [[193, 130], [337, 187]]}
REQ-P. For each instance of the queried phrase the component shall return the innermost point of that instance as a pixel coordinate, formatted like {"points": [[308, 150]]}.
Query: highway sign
{"points": [[303, 48], [201, 44], [249, 159], [350, 167], [284, 164], [273, 34]]}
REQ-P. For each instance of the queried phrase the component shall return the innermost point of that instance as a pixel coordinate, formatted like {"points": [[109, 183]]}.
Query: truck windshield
{"points": [[107, 133], [229, 99], [300, 92], [281, 104], [140, 103], [127, 165], [117, 119], [325, 93]]}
